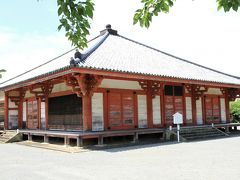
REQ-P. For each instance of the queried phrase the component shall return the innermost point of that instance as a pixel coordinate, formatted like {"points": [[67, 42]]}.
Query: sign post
{"points": [[178, 119]]}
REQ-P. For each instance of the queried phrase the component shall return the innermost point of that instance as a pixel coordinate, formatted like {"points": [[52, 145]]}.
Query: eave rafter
{"points": [[83, 84], [17, 98], [196, 90], [42, 90], [230, 93], [151, 87]]}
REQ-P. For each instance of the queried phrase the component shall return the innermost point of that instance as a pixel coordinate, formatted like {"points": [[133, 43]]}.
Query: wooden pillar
{"points": [[39, 112], [184, 106], [66, 141], [227, 108], [149, 110], [79, 141], [20, 113], [87, 112], [203, 109], [6, 110], [135, 110], [105, 110], [26, 114], [29, 137], [194, 109], [163, 107], [46, 139], [46, 113], [100, 140]]}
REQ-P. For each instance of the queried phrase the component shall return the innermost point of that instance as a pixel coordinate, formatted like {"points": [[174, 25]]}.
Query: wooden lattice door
{"points": [[212, 108], [120, 110]]}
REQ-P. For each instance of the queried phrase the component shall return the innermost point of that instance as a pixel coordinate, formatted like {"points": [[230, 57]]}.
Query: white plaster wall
{"points": [[199, 111], [215, 91], [223, 109], [188, 101], [60, 87], [120, 84], [156, 110], [24, 114], [97, 112], [11, 104], [43, 117], [142, 111], [2, 96]]}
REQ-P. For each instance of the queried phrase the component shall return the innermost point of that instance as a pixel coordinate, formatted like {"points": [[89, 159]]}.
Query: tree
{"points": [[235, 110], [1, 71], [75, 15]]}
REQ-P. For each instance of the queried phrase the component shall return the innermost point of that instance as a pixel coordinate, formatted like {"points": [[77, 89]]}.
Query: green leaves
{"points": [[74, 17], [235, 110], [151, 8], [227, 5]]}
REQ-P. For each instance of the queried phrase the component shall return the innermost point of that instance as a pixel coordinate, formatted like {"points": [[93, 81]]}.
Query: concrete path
{"points": [[205, 160]]}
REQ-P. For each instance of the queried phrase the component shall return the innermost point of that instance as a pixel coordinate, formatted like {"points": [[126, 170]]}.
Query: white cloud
{"points": [[21, 53]]}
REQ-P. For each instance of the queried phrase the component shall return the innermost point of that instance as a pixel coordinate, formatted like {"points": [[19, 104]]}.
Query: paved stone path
{"points": [[205, 160]]}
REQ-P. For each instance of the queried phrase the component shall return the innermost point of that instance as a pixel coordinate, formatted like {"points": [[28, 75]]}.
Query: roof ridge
{"points": [[96, 46], [181, 59]]}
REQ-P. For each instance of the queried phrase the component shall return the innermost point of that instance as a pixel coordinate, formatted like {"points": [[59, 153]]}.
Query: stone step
{"points": [[7, 136], [204, 137], [196, 130], [200, 133]]}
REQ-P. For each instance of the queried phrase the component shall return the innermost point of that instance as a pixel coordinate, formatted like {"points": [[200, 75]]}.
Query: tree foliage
{"points": [[75, 15], [235, 110]]}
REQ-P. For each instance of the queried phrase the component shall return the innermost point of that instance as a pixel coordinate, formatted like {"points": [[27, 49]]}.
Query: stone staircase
{"points": [[10, 136], [198, 133]]}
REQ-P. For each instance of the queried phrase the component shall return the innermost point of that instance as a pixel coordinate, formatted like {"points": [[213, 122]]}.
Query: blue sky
{"points": [[193, 30], [29, 15]]}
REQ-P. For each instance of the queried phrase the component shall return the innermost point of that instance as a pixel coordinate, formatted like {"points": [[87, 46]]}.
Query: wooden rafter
{"points": [[83, 84], [72, 82], [42, 90], [17, 99], [152, 87], [196, 90], [232, 94]]}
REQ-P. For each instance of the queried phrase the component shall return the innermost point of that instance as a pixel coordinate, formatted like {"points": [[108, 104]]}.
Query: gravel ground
{"points": [[206, 160]]}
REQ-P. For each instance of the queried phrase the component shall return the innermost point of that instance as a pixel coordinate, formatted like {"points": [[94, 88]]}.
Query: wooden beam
{"points": [[115, 74]]}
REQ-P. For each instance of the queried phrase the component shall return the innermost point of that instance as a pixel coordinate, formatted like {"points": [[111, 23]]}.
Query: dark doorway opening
{"points": [[65, 113]]}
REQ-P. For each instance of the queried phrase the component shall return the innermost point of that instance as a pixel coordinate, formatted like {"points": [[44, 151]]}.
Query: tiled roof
{"points": [[116, 53]]}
